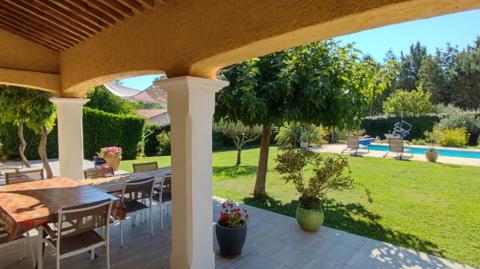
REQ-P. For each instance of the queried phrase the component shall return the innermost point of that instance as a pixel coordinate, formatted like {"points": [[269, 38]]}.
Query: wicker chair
{"points": [[99, 172], [144, 167], [74, 233], [134, 197], [24, 176]]}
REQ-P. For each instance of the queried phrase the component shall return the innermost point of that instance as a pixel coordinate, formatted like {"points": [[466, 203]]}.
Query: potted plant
{"points": [[231, 229], [431, 154], [313, 174], [112, 155]]}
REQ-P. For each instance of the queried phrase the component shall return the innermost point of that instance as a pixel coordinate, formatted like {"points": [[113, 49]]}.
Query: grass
{"points": [[424, 206]]}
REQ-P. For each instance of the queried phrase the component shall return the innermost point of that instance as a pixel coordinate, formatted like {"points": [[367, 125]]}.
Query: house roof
{"points": [[120, 91], [150, 113]]}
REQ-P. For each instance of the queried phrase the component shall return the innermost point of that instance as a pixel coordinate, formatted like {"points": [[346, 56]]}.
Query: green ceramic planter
{"points": [[310, 219]]}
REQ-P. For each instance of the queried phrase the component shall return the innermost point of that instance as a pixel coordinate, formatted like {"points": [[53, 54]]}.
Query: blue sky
{"points": [[458, 29]]}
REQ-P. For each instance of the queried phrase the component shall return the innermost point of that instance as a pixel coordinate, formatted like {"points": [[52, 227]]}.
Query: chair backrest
{"points": [[144, 167], [352, 142], [99, 172], [79, 219], [167, 184], [24, 176], [396, 144], [138, 189]]}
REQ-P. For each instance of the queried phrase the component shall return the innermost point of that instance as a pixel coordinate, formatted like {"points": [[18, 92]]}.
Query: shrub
{"points": [[292, 133], [421, 142], [164, 145], [408, 103], [380, 125], [100, 129], [457, 137], [467, 120]]}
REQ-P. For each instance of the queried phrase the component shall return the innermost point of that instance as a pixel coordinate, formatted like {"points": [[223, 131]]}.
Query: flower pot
{"points": [[431, 156], [113, 162], [310, 216], [231, 240], [303, 144]]}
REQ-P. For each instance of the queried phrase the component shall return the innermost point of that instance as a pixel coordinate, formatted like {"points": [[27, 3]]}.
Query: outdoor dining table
{"points": [[29, 205]]}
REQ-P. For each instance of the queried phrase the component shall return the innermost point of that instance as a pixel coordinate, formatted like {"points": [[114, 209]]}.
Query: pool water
{"points": [[441, 151]]}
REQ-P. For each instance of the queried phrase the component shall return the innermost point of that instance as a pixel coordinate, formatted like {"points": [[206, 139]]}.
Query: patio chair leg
{"points": [[92, 254], [151, 219], [385, 155], [107, 252], [121, 233], [32, 253], [161, 216]]}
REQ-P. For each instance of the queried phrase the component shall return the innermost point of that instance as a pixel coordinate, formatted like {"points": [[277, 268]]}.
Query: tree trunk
{"points": [[42, 151], [263, 163], [23, 145], [239, 156]]}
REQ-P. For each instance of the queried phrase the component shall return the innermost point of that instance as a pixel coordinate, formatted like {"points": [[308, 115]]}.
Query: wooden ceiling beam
{"points": [[107, 9], [134, 5], [28, 36], [87, 16], [119, 7], [147, 3], [60, 18], [32, 28], [39, 14], [62, 12], [87, 8], [37, 20]]}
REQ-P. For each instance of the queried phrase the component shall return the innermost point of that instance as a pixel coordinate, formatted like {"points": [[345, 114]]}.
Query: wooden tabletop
{"points": [[25, 206]]}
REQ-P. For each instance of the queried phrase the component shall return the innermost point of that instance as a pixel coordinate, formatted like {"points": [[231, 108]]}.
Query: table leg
{"points": [[40, 248]]}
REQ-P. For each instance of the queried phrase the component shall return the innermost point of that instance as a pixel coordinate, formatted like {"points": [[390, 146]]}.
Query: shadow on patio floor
{"points": [[353, 218]]}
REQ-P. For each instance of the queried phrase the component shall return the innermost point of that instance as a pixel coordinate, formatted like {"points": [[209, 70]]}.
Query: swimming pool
{"points": [[441, 151]]}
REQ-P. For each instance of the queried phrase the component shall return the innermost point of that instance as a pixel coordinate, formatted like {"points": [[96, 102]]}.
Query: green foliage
{"points": [[469, 121], [103, 99], [164, 146], [457, 137], [305, 84], [327, 172], [292, 133], [408, 103], [102, 129], [380, 125], [238, 132], [9, 139]]}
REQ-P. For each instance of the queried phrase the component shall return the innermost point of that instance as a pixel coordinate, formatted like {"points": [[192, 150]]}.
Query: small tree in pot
{"points": [[231, 229], [326, 172]]}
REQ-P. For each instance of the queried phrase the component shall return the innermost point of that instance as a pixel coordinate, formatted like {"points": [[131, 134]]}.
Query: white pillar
{"points": [[70, 135], [191, 103]]}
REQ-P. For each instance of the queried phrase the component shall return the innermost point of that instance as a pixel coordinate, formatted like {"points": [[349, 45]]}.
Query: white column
{"points": [[70, 135], [191, 103]]}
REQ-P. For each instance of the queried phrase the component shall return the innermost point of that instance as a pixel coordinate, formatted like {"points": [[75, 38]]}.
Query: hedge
{"points": [[100, 129], [381, 125]]}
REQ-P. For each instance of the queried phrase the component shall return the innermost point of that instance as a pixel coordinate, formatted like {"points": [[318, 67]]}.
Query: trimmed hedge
{"points": [[380, 125], [100, 129]]}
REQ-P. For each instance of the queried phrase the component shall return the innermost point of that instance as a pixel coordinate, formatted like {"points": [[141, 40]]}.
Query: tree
{"points": [[375, 79], [408, 76], [433, 80], [103, 99], [28, 108], [240, 135], [407, 103], [466, 92], [314, 83]]}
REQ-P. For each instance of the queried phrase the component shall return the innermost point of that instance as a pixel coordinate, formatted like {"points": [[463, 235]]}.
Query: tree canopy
{"points": [[103, 99], [408, 103]]}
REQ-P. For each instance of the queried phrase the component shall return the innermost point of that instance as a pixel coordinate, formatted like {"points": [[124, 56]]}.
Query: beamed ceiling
{"points": [[61, 24]]}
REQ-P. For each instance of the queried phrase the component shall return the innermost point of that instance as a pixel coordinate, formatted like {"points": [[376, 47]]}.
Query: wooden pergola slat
{"points": [[61, 24]]}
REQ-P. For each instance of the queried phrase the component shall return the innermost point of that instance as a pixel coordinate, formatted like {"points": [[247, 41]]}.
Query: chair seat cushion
{"points": [[78, 241], [133, 205]]}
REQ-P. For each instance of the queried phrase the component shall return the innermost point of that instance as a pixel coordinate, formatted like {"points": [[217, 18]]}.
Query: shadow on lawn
{"points": [[353, 218], [234, 171]]}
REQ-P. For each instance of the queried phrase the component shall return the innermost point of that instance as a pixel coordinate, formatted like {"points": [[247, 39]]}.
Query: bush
{"points": [[291, 134], [380, 125], [164, 145], [469, 121], [100, 129], [457, 137], [420, 142]]}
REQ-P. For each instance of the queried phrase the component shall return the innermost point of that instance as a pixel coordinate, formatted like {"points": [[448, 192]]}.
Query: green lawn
{"points": [[424, 206]]}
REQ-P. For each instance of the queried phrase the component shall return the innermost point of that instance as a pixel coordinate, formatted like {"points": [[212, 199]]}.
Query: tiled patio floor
{"points": [[273, 241]]}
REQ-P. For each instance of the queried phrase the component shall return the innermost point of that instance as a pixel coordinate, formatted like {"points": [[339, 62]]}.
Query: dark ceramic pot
{"points": [[231, 240]]}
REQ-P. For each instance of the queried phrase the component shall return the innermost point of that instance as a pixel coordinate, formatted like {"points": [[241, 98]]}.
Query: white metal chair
{"points": [[134, 197], [163, 196], [74, 233]]}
